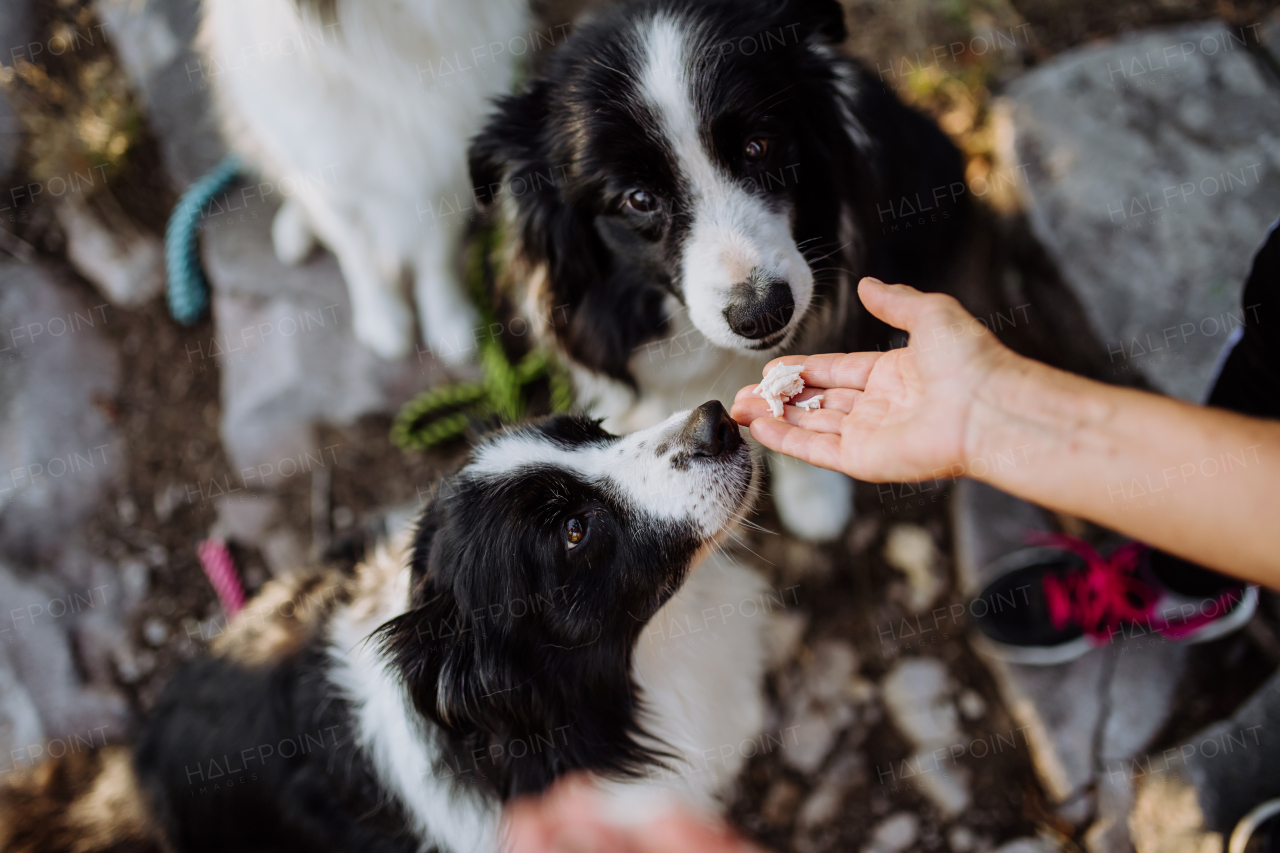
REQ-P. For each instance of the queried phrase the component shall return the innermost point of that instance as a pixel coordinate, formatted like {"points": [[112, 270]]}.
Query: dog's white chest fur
{"points": [[700, 663]]}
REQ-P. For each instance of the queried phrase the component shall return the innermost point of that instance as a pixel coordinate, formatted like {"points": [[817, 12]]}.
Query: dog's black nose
{"points": [[759, 308], [710, 431]]}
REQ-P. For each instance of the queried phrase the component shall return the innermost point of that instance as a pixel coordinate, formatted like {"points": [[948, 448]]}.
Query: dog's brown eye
{"points": [[641, 201], [574, 530], [756, 150]]}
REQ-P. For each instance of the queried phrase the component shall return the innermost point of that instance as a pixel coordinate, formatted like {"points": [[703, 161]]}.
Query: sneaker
{"points": [[1197, 605], [1014, 617], [1258, 831], [1054, 603]]}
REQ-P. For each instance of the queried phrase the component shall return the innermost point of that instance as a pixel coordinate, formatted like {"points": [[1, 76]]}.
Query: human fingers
{"points": [[747, 406], [678, 832], [833, 369], [821, 449], [902, 306], [749, 412], [566, 817]]}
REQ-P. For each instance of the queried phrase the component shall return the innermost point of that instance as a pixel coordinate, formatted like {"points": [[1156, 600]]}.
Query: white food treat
{"points": [[814, 402], [779, 385]]}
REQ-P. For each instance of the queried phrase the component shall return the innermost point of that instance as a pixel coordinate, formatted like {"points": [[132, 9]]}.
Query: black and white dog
{"points": [[522, 633], [695, 187]]}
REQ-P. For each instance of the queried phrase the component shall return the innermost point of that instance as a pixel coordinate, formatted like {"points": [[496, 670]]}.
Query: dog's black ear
{"points": [[823, 19], [523, 153], [510, 142]]}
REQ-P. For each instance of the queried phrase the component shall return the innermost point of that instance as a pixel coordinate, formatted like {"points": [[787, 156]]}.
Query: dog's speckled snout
{"points": [[710, 432]]}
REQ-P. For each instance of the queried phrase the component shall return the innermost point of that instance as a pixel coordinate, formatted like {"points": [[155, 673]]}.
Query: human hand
{"points": [[896, 416], [573, 817]]}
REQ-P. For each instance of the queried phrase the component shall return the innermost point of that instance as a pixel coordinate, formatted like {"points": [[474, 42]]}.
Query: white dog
{"points": [[361, 111]]}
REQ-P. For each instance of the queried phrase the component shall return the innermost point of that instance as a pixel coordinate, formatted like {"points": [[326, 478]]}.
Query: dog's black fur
{"points": [[490, 683], [568, 147]]}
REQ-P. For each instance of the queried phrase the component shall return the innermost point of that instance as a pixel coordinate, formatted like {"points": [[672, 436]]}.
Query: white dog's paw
{"points": [[291, 236], [386, 329], [815, 504], [451, 329]]}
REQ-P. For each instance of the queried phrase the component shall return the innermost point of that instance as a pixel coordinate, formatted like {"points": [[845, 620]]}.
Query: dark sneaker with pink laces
{"points": [[1054, 603]]}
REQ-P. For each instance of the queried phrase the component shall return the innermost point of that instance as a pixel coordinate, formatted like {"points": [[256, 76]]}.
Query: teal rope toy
{"points": [[188, 289]]}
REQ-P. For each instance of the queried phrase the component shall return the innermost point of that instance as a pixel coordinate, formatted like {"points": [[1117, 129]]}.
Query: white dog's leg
{"points": [[814, 503], [380, 313], [448, 319], [291, 234]]}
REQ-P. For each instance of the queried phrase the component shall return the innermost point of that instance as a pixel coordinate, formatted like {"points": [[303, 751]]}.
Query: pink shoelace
{"points": [[1108, 593], [215, 559]]}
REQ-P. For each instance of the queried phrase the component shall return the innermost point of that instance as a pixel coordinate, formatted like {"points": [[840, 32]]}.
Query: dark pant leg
{"points": [[1249, 383]]}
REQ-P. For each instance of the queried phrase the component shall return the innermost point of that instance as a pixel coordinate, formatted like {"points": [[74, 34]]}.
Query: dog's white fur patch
{"points": [[364, 123], [733, 233], [390, 731], [632, 468]]}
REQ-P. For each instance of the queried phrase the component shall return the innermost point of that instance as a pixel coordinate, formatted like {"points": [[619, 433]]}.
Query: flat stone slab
{"points": [[1152, 170], [153, 39], [58, 453], [1232, 763], [284, 344], [64, 608]]}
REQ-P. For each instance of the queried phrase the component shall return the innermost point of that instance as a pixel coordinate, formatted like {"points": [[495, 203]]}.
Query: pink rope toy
{"points": [[218, 566]]}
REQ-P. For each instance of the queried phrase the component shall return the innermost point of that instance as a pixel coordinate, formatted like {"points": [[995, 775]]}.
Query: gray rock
{"points": [[123, 261], [894, 834], [823, 805], [1140, 694], [19, 719], [153, 40], [1232, 764], [40, 614], [819, 705], [1150, 170], [987, 524], [1110, 830], [58, 453], [287, 354], [917, 694], [947, 788], [961, 839]]}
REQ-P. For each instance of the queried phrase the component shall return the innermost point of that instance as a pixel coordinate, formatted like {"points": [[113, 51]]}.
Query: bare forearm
{"points": [[1200, 483]]}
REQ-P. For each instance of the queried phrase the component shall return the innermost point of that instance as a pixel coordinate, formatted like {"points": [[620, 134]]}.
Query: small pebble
{"points": [[155, 632], [961, 839], [894, 834], [972, 705], [128, 511]]}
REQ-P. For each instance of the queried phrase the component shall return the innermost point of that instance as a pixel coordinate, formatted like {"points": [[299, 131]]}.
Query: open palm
{"points": [[900, 415]]}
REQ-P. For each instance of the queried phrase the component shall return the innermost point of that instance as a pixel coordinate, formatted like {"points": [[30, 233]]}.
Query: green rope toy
{"points": [[442, 414]]}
